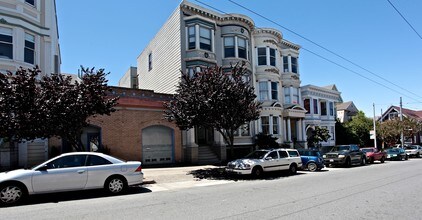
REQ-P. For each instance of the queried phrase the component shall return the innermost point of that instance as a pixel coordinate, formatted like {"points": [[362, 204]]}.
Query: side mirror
{"points": [[268, 158], [43, 168]]}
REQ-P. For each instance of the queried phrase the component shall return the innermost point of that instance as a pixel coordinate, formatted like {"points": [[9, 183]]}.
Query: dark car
{"points": [[311, 159], [345, 155], [397, 154]]}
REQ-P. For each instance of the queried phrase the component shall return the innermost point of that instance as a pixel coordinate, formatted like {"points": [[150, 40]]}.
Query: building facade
{"points": [[28, 37], [194, 38], [345, 111]]}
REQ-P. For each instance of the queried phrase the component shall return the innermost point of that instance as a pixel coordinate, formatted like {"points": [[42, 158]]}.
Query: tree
{"points": [[344, 135], [52, 106], [319, 135], [214, 99], [265, 141], [390, 131], [360, 126]]}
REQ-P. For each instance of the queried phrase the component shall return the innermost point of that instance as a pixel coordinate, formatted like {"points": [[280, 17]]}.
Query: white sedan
{"points": [[70, 172]]}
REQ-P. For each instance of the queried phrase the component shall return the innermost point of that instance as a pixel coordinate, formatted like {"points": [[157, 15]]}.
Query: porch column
{"points": [[284, 130], [289, 131], [299, 130]]}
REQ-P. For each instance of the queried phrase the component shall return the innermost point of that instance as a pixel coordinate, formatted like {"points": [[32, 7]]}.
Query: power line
{"points": [[404, 19], [328, 50]]}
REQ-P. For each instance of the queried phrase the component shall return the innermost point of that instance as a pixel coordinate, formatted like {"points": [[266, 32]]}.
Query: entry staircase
{"points": [[206, 156]]}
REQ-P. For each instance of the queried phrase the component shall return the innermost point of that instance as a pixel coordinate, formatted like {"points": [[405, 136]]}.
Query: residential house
{"points": [[194, 38], [28, 37], [345, 111]]}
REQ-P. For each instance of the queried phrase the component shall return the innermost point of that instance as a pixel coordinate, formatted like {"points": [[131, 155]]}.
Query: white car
{"points": [[70, 172], [261, 161], [414, 151]]}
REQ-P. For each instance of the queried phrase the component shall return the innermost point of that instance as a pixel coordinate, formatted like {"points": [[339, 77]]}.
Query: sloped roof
{"points": [[406, 112], [349, 106], [331, 87]]}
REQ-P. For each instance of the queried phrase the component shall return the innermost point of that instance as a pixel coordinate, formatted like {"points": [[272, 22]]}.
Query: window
{"points": [[272, 57], [315, 106], [241, 48], [332, 130], [323, 108], [29, 56], [6, 43], [286, 64], [191, 38], [150, 62], [265, 124], [275, 125], [294, 64], [229, 47], [283, 154], [273, 155], [293, 153], [67, 161], [204, 38], [295, 95], [31, 2], [262, 56], [307, 105], [263, 90], [274, 90], [94, 160], [287, 99], [331, 109]]}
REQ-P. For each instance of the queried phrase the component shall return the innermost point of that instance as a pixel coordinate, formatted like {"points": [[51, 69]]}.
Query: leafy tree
{"points": [[360, 126], [266, 141], [52, 106], [344, 135], [390, 131], [319, 135], [214, 99]]}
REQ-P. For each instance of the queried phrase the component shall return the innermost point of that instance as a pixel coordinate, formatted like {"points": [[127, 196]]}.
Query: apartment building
{"points": [[28, 37]]}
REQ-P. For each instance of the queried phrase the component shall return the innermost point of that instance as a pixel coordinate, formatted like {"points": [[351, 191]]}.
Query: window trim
{"points": [[200, 37], [7, 32], [26, 48], [231, 47], [260, 56]]}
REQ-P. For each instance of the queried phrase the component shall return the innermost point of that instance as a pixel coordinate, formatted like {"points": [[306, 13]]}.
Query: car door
{"points": [[271, 161], [63, 174], [99, 169], [284, 160], [355, 154]]}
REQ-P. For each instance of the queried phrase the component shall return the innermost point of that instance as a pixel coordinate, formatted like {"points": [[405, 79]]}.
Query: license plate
{"points": [[331, 160]]}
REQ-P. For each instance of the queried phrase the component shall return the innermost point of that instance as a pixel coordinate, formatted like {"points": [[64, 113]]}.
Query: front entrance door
{"points": [[204, 136]]}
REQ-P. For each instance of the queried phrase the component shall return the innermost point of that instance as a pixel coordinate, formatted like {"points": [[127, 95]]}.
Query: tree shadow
{"points": [[76, 195], [219, 173]]}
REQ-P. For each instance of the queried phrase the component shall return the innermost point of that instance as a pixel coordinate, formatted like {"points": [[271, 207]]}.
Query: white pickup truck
{"points": [[266, 160]]}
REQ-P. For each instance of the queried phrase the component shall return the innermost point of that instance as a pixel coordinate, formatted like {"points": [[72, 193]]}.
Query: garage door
{"points": [[37, 152], [157, 145]]}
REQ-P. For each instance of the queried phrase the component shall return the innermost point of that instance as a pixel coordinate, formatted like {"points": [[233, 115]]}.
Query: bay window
{"points": [[262, 56], [323, 108], [205, 38], [285, 64], [6, 43], [229, 47], [241, 47], [294, 64], [191, 38], [315, 106], [263, 90], [287, 99], [274, 90], [270, 124], [272, 57], [29, 51]]}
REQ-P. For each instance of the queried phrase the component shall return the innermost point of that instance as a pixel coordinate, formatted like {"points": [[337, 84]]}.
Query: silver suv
{"points": [[261, 161]]}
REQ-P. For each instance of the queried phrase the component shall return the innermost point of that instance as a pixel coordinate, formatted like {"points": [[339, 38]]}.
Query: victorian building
{"points": [[194, 38], [28, 37]]}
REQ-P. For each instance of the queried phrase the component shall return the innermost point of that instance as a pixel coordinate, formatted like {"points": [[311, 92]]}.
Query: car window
{"points": [[67, 161], [293, 153], [273, 155], [94, 160], [283, 154]]}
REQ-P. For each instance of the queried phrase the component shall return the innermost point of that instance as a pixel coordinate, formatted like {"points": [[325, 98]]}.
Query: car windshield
{"points": [[259, 154], [340, 148], [393, 150], [411, 147], [367, 150]]}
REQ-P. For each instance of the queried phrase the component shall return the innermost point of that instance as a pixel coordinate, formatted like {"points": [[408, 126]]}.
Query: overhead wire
{"points": [[326, 49], [402, 16]]}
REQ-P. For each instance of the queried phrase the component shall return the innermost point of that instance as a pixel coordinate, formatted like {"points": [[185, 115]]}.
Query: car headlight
{"points": [[324, 156], [341, 156], [243, 166]]}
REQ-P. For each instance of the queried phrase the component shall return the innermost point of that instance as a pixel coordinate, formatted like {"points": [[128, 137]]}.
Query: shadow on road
{"points": [[219, 173], [77, 195]]}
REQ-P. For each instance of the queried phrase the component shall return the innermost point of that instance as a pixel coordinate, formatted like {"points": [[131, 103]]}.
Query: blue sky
{"points": [[369, 33]]}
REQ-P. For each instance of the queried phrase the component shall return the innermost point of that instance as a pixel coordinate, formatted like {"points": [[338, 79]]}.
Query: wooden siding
{"points": [[166, 58]]}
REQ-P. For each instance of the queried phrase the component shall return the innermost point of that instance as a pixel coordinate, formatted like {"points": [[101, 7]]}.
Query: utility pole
{"points": [[375, 129], [401, 120]]}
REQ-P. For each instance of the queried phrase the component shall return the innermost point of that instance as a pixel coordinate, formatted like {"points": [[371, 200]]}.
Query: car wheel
{"points": [[11, 193], [363, 161], [348, 162], [257, 172], [371, 160], [293, 169], [406, 157], [382, 159], [312, 166], [418, 155], [115, 185]]}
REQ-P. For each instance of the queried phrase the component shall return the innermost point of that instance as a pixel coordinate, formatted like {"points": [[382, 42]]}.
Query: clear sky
{"points": [[370, 33]]}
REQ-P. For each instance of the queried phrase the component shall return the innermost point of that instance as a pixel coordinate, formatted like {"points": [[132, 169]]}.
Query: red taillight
{"points": [[139, 169]]}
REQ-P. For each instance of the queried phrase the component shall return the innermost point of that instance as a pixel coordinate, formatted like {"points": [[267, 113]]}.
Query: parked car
{"points": [[373, 154], [397, 154], [311, 159], [345, 155], [260, 161], [70, 172], [414, 151]]}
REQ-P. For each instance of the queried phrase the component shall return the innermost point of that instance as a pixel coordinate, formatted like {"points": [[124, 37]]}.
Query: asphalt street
{"points": [[379, 191]]}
